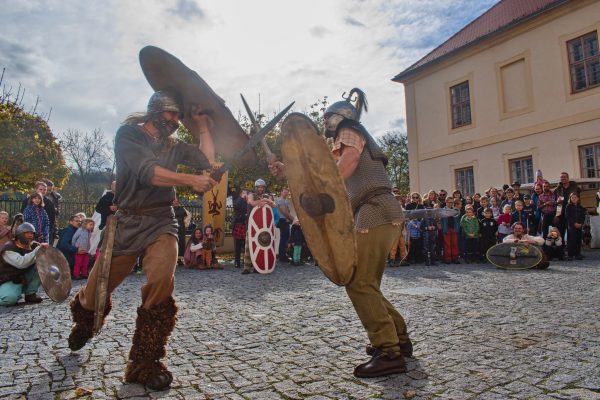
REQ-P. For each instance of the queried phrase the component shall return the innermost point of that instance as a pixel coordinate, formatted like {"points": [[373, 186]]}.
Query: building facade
{"points": [[516, 90]]}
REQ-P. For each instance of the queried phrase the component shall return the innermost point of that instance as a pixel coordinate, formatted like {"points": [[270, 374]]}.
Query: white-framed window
{"points": [[521, 170], [584, 62], [460, 102], [589, 158], [465, 180]]}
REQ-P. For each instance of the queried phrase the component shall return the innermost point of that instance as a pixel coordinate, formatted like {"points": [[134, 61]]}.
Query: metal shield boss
{"points": [[55, 275], [166, 72], [319, 198]]}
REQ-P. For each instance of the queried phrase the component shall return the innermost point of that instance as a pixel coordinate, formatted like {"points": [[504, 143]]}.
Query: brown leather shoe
{"points": [[33, 298], [405, 348], [381, 364]]}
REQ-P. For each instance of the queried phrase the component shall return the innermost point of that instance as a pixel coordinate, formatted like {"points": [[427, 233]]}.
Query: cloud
{"points": [[353, 22], [319, 31], [188, 9]]}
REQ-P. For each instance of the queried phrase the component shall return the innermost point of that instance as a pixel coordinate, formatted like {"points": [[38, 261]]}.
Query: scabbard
{"points": [[104, 271]]}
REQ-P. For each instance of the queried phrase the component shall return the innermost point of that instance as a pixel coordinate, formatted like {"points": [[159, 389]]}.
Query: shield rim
{"points": [[63, 266], [270, 228], [539, 256]]}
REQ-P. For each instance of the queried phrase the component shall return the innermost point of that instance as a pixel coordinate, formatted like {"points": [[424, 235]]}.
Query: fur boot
{"points": [[152, 331], [83, 329]]}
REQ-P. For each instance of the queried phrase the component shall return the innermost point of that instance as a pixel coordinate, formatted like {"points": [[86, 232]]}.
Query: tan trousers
{"points": [[384, 325], [160, 261]]}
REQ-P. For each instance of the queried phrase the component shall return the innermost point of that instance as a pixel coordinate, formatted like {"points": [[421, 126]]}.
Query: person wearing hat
{"points": [[18, 274], [377, 222], [147, 156], [516, 186], [258, 198]]}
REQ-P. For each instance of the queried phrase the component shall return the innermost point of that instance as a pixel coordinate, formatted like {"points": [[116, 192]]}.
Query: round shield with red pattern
{"points": [[262, 239]]}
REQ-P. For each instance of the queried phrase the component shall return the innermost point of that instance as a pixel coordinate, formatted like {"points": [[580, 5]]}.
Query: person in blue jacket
{"points": [[65, 237]]}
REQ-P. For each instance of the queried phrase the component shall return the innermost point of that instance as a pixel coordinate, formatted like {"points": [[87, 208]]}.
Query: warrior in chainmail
{"points": [[147, 157], [378, 217]]}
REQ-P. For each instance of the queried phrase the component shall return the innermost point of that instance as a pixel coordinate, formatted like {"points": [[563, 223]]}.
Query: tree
{"points": [[88, 153], [394, 145], [30, 152]]}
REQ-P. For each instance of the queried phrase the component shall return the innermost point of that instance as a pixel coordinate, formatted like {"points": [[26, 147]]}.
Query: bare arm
{"points": [[349, 157], [206, 145]]}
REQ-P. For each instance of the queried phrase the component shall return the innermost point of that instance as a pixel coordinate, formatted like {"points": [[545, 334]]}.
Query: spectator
{"points": [[54, 198], [42, 189], [575, 217], [285, 218], [450, 230], [180, 215], [413, 230], [502, 194], [209, 249], [553, 245], [516, 187], [476, 201], [457, 195], [65, 238], [495, 207], [106, 205], [5, 232], [240, 219], [484, 203], [81, 241], [547, 206], [563, 192], [18, 274], [429, 233], [518, 235], [519, 215], [415, 202], [17, 220], [509, 199], [470, 230], [431, 200], [494, 193], [531, 211], [297, 241], [192, 257], [535, 199], [442, 194], [488, 227], [504, 226], [35, 214]]}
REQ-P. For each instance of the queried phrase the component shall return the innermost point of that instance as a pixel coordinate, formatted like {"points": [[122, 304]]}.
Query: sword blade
{"points": [[270, 156], [254, 140]]}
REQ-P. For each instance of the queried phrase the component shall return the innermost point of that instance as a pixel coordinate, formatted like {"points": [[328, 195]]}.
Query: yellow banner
{"points": [[213, 209]]}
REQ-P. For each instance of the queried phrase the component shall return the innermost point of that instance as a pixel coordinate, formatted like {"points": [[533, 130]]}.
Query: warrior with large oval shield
{"points": [[377, 219]]}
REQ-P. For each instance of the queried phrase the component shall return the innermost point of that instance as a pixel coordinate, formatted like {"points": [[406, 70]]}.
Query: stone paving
{"points": [[479, 332]]}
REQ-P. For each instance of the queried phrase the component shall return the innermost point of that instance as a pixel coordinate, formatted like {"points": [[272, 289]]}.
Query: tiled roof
{"points": [[502, 16]]}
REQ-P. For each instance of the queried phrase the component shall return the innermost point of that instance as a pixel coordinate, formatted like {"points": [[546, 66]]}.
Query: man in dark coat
{"points": [[65, 237], [106, 205]]}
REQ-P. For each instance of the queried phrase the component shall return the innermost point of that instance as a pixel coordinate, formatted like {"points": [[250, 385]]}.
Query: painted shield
{"points": [[261, 232], [213, 209], [54, 273], [165, 71], [319, 198], [514, 255]]}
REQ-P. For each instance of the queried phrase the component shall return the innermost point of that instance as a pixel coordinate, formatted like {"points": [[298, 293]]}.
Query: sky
{"points": [[81, 57]]}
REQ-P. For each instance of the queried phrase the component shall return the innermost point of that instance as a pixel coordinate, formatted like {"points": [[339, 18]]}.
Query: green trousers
{"points": [[384, 325], [11, 292]]}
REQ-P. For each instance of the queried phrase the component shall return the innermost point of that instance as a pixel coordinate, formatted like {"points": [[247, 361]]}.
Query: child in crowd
{"points": [[470, 229], [484, 201], [296, 241], [519, 215], [450, 229], [413, 230], [504, 225], [209, 249], [5, 234], [82, 240], [496, 210], [488, 228], [35, 214], [192, 257], [575, 216], [553, 245], [530, 209], [429, 230]]}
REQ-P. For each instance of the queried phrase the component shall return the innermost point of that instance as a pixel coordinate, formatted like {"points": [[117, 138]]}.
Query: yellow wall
{"points": [[521, 105]]}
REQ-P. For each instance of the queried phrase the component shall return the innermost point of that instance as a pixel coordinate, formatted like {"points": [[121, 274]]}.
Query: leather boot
{"points": [[405, 348], [152, 331], [32, 298], [381, 364], [83, 329]]}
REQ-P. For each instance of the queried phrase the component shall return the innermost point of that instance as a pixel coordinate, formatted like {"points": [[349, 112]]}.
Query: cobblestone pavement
{"points": [[479, 332]]}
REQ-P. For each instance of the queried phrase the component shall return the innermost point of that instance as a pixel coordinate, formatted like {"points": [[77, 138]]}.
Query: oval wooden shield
{"points": [[262, 239], [165, 71], [55, 275], [319, 198], [514, 255]]}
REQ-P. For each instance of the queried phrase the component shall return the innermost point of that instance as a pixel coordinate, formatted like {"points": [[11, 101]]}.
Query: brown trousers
{"points": [[383, 323], [160, 261]]}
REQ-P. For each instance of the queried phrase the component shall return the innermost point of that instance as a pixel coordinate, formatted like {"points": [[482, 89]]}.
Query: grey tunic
{"points": [[145, 212]]}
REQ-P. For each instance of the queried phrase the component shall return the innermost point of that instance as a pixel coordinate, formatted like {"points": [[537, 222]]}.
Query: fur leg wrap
{"points": [[83, 329], [152, 331]]}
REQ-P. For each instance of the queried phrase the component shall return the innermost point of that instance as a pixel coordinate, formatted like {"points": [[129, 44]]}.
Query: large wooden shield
{"points": [[165, 71], [55, 275], [319, 198], [213, 209], [514, 255], [261, 234]]}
